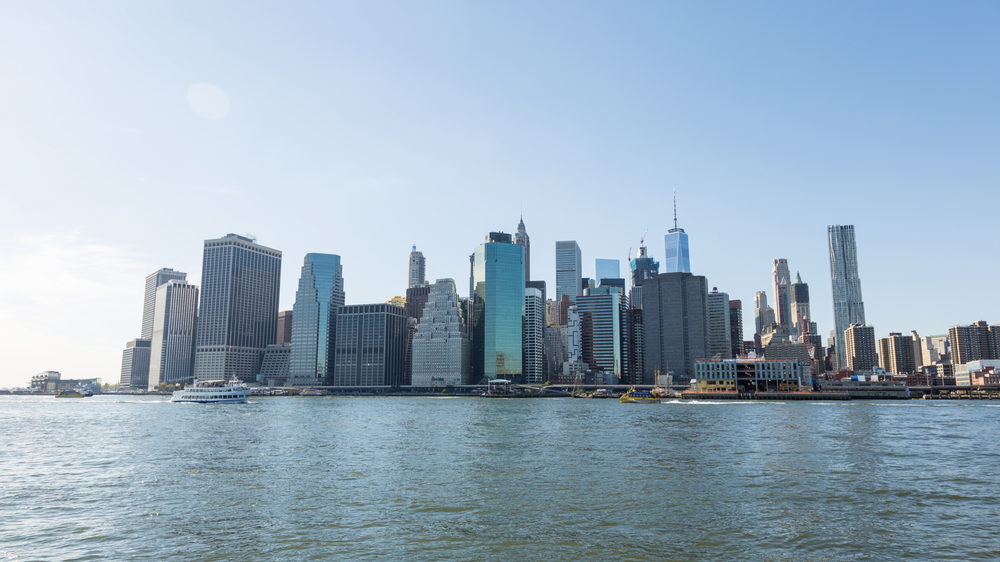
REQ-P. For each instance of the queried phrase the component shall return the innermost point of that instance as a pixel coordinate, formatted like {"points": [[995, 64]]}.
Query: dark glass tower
{"points": [[314, 317], [498, 309]]}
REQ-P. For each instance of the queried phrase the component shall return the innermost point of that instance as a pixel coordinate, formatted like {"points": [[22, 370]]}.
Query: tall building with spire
{"points": [[759, 310], [522, 239], [677, 253], [781, 292], [416, 272], [848, 308]]}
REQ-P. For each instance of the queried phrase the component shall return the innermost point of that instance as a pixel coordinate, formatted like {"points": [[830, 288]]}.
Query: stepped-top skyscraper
{"points": [[848, 308], [498, 309], [314, 318], [416, 272], [800, 305], [154, 280], [522, 239], [677, 253], [569, 270], [238, 313], [441, 348]]}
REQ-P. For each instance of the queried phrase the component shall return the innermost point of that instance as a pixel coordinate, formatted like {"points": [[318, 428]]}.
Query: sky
{"points": [[131, 132]]}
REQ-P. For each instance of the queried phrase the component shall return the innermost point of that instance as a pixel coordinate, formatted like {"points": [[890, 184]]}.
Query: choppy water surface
{"points": [[117, 478]]}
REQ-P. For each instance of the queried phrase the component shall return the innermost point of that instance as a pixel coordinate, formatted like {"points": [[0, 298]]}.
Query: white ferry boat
{"points": [[208, 392]]}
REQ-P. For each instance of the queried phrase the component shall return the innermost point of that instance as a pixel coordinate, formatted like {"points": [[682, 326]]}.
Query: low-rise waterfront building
{"points": [[746, 375], [274, 367]]}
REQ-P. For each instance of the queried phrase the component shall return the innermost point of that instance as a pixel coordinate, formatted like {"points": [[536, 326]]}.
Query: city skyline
{"points": [[751, 113]]}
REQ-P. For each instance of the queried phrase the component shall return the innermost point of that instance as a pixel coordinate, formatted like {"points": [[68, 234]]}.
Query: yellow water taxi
{"points": [[639, 397], [69, 394]]}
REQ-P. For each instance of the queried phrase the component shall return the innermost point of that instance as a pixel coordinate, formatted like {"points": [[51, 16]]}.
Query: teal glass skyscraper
{"points": [[676, 243], [498, 309], [314, 317]]}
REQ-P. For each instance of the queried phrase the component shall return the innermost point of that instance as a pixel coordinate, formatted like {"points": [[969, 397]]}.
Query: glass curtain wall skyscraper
{"points": [[677, 253], [498, 309], [848, 308], [238, 313], [606, 269], [569, 270], [314, 318]]}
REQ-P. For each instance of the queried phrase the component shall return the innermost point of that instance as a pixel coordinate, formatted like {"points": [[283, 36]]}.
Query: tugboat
{"points": [[213, 392], [639, 397]]}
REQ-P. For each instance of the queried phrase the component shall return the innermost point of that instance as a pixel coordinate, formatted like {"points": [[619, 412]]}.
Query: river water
{"points": [[285, 478]]}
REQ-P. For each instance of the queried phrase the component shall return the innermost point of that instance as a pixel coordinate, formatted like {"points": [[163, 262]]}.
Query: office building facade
{"points": [[606, 269], [736, 328], [284, 327], [675, 322], [135, 365], [719, 344], [175, 318], [498, 309], [371, 345], [533, 347], [314, 317], [154, 280], [238, 310], [603, 313], [859, 348], [569, 270], [974, 342]]}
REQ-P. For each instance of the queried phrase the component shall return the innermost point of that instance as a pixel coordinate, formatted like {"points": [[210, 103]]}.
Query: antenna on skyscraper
{"points": [[675, 209]]}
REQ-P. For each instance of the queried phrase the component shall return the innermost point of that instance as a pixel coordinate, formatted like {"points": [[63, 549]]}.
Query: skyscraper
{"points": [[314, 319], [895, 354], [677, 253], [569, 270], [719, 343], [603, 330], [606, 269], [736, 327], [782, 294], [135, 365], [800, 304], [284, 327], [859, 350], [441, 347], [371, 345], [154, 280], [675, 322], [759, 308], [522, 239], [498, 309], [643, 267], [416, 272], [238, 313], [534, 335], [848, 308], [172, 346]]}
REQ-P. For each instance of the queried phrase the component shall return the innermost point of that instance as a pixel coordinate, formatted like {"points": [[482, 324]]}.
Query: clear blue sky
{"points": [[363, 128]]}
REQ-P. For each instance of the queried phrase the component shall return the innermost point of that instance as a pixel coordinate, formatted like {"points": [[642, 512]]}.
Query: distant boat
{"points": [[313, 392], [213, 392], [639, 397], [69, 394]]}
